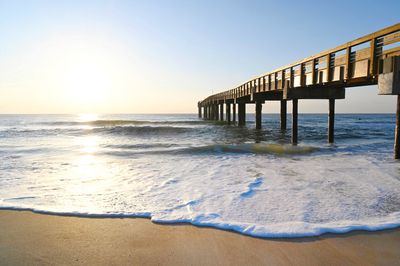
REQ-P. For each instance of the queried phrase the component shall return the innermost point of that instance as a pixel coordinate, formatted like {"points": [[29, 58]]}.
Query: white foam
{"points": [[258, 195]]}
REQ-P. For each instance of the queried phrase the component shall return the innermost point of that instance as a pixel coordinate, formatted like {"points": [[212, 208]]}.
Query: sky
{"points": [[164, 56]]}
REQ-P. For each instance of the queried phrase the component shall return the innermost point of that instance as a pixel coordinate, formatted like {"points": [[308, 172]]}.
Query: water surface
{"points": [[176, 168]]}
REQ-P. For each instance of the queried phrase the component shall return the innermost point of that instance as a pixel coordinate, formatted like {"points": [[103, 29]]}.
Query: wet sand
{"points": [[28, 238]]}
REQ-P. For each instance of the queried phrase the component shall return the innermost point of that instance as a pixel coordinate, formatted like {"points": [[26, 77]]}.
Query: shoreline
{"points": [[147, 216], [35, 238]]}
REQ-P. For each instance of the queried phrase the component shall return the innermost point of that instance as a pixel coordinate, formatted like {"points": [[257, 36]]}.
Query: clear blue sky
{"points": [[164, 56]]}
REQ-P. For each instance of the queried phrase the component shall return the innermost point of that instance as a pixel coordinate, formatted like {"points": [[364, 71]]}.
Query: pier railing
{"points": [[371, 59], [355, 63]]}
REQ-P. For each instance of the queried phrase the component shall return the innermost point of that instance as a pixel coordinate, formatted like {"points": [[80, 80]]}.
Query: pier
{"points": [[369, 60]]}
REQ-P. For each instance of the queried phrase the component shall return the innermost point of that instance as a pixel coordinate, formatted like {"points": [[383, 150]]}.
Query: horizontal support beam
{"points": [[315, 93]]}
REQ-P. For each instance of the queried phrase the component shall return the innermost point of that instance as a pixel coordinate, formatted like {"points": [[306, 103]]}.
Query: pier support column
{"points": [[216, 112], [294, 121], [234, 113], [258, 114], [242, 114], [331, 121], [283, 114], [199, 111], [228, 113], [397, 131], [221, 112]]}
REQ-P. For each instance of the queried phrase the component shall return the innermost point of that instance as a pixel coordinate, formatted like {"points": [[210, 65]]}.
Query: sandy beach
{"points": [[36, 239]]}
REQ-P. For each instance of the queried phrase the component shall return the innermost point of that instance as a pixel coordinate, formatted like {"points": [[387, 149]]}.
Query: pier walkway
{"points": [[369, 60]]}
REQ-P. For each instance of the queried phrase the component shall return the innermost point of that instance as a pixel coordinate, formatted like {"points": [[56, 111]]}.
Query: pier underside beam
{"points": [[317, 92], [258, 114], [331, 121], [228, 113], [283, 114], [294, 121], [242, 114]]}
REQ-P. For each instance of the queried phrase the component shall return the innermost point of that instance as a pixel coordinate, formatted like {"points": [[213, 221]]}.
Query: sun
{"points": [[87, 82]]}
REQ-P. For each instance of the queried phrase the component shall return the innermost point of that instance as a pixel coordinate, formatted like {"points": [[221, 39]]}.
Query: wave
{"points": [[252, 148], [215, 149], [117, 130], [141, 146], [144, 130], [118, 122]]}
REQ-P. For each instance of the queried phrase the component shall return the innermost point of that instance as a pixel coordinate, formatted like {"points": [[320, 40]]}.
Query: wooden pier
{"points": [[369, 60]]}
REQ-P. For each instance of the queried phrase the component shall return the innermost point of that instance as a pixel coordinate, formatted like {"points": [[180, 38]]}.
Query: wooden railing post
{"points": [[348, 63], [372, 58]]}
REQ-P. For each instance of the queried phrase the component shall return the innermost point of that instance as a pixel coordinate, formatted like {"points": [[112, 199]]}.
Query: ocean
{"points": [[179, 169]]}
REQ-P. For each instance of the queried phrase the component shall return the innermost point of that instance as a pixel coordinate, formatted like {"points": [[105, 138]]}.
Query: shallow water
{"points": [[176, 168]]}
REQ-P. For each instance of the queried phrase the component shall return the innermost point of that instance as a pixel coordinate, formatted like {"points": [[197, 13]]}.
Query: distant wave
{"points": [[117, 130], [117, 122], [144, 130], [141, 146]]}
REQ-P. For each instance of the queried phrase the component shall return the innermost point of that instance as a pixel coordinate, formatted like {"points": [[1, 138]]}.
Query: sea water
{"points": [[177, 168]]}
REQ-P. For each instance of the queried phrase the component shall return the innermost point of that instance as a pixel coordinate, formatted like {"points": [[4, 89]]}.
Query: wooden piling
{"points": [[216, 112], [234, 113], [294, 121], [283, 114], [331, 121], [228, 112], [199, 111], [242, 114], [258, 114], [221, 110], [397, 131]]}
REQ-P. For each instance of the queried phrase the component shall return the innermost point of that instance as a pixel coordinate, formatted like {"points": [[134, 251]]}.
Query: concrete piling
{"points": [[294, 121], [258, 114], [331, 121], [283, 114], [242, 114]]}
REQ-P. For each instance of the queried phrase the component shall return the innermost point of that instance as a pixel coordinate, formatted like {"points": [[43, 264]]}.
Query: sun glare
{"points": [[87, 117], [84, 68], [87, 83]]}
